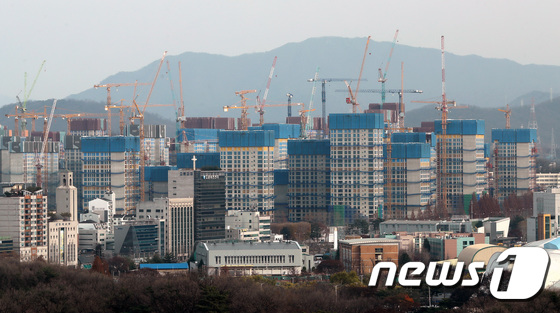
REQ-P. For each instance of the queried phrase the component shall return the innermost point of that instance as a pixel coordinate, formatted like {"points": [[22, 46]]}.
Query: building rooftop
{"points": [[368, 241], [285, 245], [165, 266]]}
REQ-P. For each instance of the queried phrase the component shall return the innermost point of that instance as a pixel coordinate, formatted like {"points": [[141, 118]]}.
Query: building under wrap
{"points": [[356, 150], [112, 163]]}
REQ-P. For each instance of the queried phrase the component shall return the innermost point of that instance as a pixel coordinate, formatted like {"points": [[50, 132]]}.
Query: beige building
{"points": [[23, 217], [63, 243], [247, 226], [548, 180], [67, 196], [178, 214]]}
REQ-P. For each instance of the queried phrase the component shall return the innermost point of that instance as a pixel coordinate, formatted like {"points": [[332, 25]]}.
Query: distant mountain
{"points": [[547, 114], [536, 96], [209, 81]]}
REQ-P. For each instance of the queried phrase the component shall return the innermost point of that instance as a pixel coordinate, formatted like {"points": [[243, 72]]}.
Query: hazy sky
{"points": [[86, 41]]}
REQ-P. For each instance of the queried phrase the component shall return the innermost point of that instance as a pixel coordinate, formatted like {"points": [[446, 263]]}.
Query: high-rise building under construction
{"points": [[356, 149]]}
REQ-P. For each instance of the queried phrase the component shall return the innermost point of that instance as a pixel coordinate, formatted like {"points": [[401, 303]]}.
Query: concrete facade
{"points": [[356, 152], [247, 158], [23, 218], [309, 188], [178, 214], [67, 195], [247, 225], [248, 258], [514, 159], [63, 243]]}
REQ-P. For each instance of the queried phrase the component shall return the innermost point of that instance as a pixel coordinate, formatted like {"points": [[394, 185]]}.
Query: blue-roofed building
{"points": [[409, 179], [196, 140], [309, 180], [462, 172], [166, 267], [112, 163], [156, 181], [356, 152], [514, 158], [247, 159], [282, 133]]}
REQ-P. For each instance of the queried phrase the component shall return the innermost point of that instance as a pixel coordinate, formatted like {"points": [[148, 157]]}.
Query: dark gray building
{"points": [[209, 205]]}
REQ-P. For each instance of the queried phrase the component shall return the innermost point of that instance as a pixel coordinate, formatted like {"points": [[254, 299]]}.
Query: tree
{"points": [[345, 278], [155, 259], [169, 258], [361, 225], [317, 230], [426, 246], [330, 266], [404, 258], [118, 264], [100, 266], [213, 300]]}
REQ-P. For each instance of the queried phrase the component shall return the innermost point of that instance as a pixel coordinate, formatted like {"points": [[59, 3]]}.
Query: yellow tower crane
{"points": [[507, 111]]}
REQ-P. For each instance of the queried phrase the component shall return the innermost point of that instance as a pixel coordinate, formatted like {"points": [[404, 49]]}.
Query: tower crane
{"points": [[108, 86], [41, 154], [290, 96], [244, 120], [441, 167], [324, 81], [181, 114], [303, 122], [313, 89], [354, 95], [26, 94], [259, 108], [383, 75], [139, 114], [261, 103], [507, 112], [121, 113]]}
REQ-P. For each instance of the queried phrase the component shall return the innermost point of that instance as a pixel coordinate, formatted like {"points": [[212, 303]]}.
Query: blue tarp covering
{"points": [[514, 135], [157, 173], [487, 150], [462, 127], [110, 144], [203, 159], [246, 138], [356, 121], [197, 134], [413, 150], [409, 137], [309, 147], [281, 177], [165, 266]]}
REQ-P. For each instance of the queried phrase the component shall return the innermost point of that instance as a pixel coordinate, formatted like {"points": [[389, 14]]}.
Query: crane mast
{"points": [[244, 121], [43, 148], [261, 103], [441, 169], [383, 75], [109, 103], [324, 81], [507, 112]]}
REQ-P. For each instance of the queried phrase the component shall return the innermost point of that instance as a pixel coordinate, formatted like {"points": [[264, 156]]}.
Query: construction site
{"points": [[367, 164]]}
